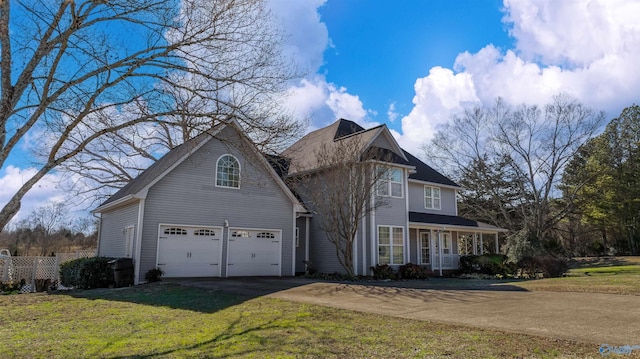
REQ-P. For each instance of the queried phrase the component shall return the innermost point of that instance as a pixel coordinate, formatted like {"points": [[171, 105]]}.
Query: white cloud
{"points": [[307, 36], [322, 103], [586, 49], [392, 115], [439, 95], [44, 192], [345, 105]]}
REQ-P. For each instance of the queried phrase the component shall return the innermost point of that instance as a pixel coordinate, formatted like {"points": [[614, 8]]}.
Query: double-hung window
{"points": [[390, 182], [390, 245], [431, 197]]}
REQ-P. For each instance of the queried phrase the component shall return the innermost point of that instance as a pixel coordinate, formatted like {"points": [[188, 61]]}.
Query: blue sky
{"points": [[379, 49], [413, 64]]}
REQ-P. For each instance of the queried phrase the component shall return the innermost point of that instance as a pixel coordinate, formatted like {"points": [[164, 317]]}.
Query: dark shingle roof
{"points": [[346, 127], [278, 163], [441, 219], [426, 173]]}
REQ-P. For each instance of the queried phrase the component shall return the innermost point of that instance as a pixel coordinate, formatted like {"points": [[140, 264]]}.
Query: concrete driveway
{"points": [[587, 317]]}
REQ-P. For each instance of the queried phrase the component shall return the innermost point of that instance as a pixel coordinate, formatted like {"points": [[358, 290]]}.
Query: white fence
{"points": [[32, 269]]}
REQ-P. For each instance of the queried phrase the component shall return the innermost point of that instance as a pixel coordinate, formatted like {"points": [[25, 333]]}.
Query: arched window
{"points": [[228, 172]]}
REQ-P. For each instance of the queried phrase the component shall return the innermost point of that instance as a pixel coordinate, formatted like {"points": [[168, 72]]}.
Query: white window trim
{"points": [[239, 171], [432, 197], [404, 244], [388, 182]]}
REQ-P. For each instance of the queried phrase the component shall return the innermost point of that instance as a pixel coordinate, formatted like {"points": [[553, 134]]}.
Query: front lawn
{"points": [[611, 275], [168, 320]]}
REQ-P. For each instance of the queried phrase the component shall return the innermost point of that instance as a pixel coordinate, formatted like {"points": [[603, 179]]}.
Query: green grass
{"points": [[170, 321], [610, 275]]}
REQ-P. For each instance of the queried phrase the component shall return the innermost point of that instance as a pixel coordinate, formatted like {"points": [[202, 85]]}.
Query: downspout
{"points": [[138, 250], [293, 243]]}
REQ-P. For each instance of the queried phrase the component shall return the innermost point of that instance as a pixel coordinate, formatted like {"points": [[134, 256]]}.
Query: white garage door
{"points": [[189, 251], [254, 252]]}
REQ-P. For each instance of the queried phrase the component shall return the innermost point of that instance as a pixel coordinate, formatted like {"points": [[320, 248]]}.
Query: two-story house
{"points": [[216, 207], [418, 223]]}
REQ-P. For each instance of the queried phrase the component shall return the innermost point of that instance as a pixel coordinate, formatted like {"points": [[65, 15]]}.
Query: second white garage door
{"points": [[254, 252]]}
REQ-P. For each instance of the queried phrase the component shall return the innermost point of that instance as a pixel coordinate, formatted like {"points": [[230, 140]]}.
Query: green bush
{"points": [[153, 275], [548, 266], [553, 267], [489, 264], [86, 273], [412, 271], [383, 271]]}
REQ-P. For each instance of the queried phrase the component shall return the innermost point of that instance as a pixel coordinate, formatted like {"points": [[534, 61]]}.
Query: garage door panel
{"points": [[254, 253], [189, 251]]}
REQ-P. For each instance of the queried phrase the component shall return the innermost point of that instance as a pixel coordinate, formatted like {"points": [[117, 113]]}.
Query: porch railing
{"points": [[449, 261]]}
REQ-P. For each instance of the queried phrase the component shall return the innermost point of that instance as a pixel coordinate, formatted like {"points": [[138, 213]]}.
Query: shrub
{"points": [[335, 276], [12, 287], [528, 266], [86, 273], [553, 267], [489, 264], [153, 275], [383, 271], [412, 271], [469, 264], [549, 267]]}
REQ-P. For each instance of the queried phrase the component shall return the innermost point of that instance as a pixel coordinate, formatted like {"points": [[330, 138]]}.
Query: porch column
{"points": [[497, 246], [475, 243], [440, 252], [481, 245]]}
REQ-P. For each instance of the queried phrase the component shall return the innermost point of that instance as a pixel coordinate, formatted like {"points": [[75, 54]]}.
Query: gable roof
{"points": [[426, 173], [137, 187], [302, 155]]}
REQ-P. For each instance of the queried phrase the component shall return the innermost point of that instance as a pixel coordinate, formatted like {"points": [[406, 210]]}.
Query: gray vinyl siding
{"points": [[112, 226], [188, 196], [413, 245], [370, 240], [447, 199], [322, 253], [392, 213], [382, 142], [301, 223]]}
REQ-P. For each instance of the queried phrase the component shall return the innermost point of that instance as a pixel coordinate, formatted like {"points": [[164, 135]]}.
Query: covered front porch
{"points": [[438, 241]]}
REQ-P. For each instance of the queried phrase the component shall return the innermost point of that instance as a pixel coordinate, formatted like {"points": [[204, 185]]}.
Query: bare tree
{"points": [[45, 221], [512, 160], [341, 191], [103, 88]]}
